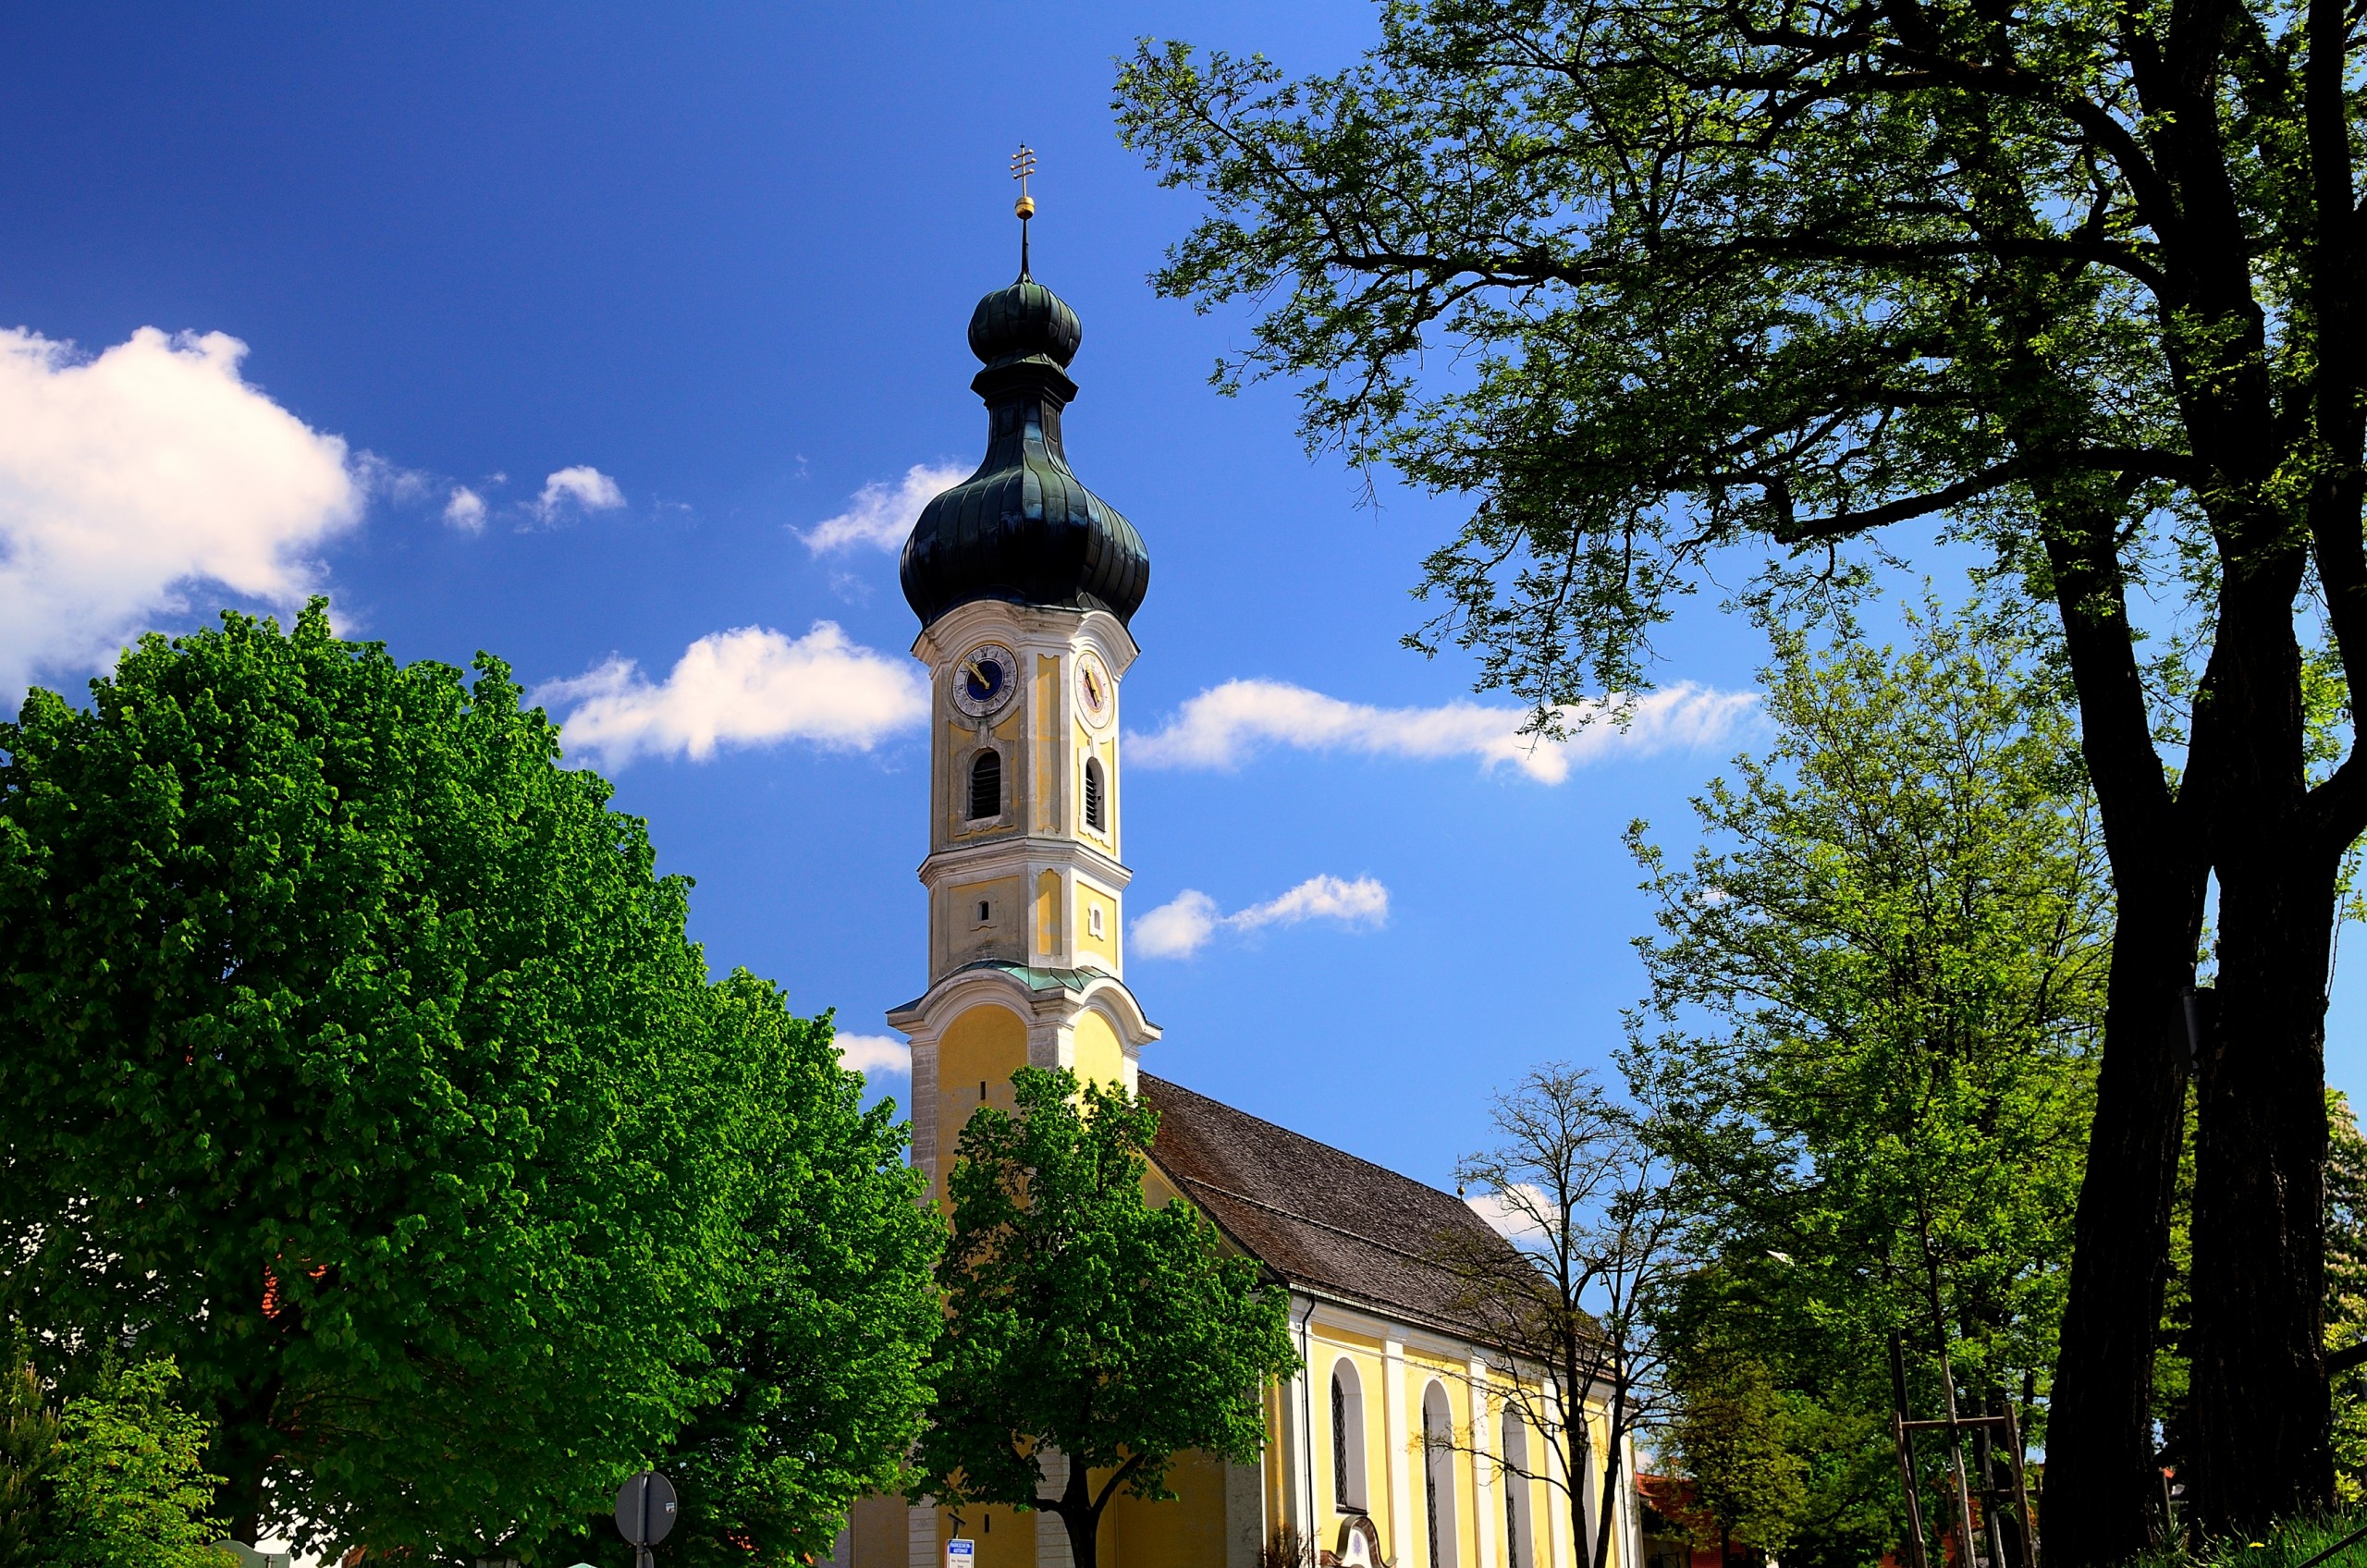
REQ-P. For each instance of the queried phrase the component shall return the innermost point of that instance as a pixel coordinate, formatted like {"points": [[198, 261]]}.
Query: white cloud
{"points": [[748, 686], [875, 1053], [580, 485], [1226, 723], [1522, 1213], [1184, 925], [465, 510], [128, 477], [880, 514]]}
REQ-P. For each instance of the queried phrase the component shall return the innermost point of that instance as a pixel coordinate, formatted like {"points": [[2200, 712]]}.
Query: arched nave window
{"points": [[1347, 1437], [1438, 1474], [1518, 1550], [985, 786]]}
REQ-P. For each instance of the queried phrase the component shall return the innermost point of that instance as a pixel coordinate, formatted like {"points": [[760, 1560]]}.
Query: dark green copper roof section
{"points": [[1023, 528]]}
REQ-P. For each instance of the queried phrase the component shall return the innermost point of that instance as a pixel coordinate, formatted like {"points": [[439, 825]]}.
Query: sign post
{"points": [[646, 1510]]}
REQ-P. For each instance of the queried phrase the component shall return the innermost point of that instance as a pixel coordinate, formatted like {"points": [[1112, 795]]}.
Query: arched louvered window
{"points": [[1094, 816], [985, 786]]}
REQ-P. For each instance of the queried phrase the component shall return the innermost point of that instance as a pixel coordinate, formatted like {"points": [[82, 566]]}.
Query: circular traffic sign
{"points": [[645, 1508]]}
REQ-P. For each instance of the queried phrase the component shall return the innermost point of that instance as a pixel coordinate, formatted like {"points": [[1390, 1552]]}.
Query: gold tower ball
{"points": [[1024, 206]]}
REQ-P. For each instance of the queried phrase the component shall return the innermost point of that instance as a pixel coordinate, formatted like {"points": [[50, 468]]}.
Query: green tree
{"points": [[2346, 1294], [831, 1319], [1734, 1438], [28, 1460], [360, 1063], [1658, 281], [130, 1485], [1870, 1044], [1085, 1322]]}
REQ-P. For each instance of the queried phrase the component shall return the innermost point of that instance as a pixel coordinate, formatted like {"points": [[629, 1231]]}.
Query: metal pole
{"points": [[2021, 1492], [1906, 1442]]}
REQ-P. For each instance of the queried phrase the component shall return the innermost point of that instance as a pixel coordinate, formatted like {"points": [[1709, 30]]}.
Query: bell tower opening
{"points": [[985, 786]]}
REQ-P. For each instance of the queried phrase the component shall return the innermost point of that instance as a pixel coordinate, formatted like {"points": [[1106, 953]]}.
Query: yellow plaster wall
{"points": [[963, 939], [986, 1044], [1185, 1532], [1099, 1056], [875, 1533], [1106, 945]]}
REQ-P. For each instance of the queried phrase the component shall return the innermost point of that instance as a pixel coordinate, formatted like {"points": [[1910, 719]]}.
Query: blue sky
{"points": [[611, 307]]}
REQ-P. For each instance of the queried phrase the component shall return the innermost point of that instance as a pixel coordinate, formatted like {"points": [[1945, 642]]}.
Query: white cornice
{"points": [[1014, 855], [1027, 624]]}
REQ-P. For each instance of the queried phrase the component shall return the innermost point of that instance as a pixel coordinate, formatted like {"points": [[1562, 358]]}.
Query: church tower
{"points": [[1023, 582]]}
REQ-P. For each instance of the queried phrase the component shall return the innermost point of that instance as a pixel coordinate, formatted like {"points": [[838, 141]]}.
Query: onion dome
{"points": [[1023, 528]]}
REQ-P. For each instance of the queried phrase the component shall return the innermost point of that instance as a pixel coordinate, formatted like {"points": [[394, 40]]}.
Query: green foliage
{"points": [[1734, 1439], [27, 1461], [1082, 1318], [130, 1485], [2347, 1290], [360, 1063], [2289, 1544], [832, 1314], [1875, 996], [1765, 275]]}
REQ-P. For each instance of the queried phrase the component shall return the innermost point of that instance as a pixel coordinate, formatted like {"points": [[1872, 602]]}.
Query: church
{"points": [[1385, 1448]]}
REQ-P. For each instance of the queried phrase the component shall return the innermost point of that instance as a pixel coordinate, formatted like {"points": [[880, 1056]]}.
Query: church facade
{"points": [[1387, 1447]]}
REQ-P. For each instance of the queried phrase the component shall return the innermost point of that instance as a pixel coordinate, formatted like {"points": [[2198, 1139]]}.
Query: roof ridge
{"points": [[1301, 1137]]}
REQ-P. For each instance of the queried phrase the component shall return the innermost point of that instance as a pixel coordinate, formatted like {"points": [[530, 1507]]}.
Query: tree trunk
{"points": [[2259, 1414], [2099, 1488], [244, 1446], [1081, 1516]]}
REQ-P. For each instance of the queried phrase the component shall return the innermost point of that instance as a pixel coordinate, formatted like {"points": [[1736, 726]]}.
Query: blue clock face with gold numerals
{"points": [[984, 678]]}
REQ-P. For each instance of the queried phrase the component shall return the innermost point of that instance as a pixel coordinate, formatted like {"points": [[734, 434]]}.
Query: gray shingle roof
{"points": [[1315, 1215]]}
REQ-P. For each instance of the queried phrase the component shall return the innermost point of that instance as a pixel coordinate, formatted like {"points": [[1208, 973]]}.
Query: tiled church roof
{"points": [[1313, 1214]]}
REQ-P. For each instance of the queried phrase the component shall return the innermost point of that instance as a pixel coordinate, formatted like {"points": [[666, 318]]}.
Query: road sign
{"points": [[961, 1553], [645, 1508]]}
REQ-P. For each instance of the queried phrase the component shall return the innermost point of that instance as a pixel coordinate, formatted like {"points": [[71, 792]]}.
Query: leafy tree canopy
{"points": [[116, 1477], [1869, 1044], [362, 1065], [2079, 283], [1085, 1321]]}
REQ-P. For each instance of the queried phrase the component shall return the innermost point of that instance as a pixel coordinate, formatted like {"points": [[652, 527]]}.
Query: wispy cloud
{"points": [[875, 1053], [465, 509], [580, 487], [748, 686], [881, 513], [1186, 923], [129, 476], [1227, 724]]}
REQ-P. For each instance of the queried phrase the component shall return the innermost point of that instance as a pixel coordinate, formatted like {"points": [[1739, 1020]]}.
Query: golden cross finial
{"points": [[1022, 164]]}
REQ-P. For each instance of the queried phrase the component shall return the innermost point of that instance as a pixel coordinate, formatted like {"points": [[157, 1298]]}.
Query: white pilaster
{"points": [[1400, 1441], [920, 1536], [1052, 1532], [1487, 1497]]}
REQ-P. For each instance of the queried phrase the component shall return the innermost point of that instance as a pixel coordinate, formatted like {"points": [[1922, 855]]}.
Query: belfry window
{"points": [[1093, 809], [985, 786]]}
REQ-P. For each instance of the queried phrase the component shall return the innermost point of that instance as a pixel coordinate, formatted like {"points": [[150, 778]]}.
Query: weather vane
{"points": [[1022, 164]]}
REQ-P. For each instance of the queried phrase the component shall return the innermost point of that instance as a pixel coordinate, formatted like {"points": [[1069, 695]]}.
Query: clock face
{"points": [[984, 678], [1093, 691]]}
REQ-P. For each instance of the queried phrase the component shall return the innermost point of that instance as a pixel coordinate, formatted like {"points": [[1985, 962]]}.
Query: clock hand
{"points": [[970, 668]]}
